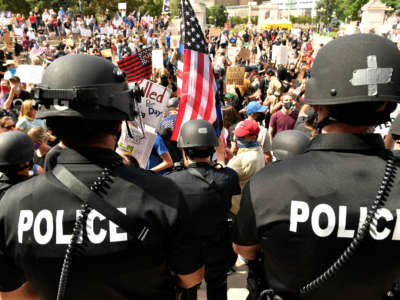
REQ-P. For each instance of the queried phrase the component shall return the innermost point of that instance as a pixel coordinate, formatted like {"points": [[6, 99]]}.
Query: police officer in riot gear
{"points": [[16, 154], [289, 143], [208, 191], [93, 228], [328, 219]]}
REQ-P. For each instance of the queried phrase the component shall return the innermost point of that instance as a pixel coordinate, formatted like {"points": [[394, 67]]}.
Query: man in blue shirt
{"points": [[159, 159]]}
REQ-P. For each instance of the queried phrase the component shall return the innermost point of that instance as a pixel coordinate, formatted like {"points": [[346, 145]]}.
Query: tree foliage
{"points": [[217, 15], [345, 9], [153, 7]]}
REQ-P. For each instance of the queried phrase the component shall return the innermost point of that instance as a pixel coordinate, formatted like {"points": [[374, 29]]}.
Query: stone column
{"points": [[200, 11], [373, 16]]}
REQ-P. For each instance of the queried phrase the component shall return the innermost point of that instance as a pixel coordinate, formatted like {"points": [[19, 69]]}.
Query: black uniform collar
{"points": [[347, 142], [100, 156], [199, 165]]}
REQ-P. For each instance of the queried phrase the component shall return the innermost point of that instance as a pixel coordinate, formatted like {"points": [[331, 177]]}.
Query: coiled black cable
{"points": [[98, 187], [372, 219]]}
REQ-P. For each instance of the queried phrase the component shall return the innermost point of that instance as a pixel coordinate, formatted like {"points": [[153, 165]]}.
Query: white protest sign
{"points": [[296, 32], [30, 73], [122, 6], [18, 31], [383, 129], [154, 102], [86, 32], [136, 144], [157, 58], [233, 52], [280, 55]]}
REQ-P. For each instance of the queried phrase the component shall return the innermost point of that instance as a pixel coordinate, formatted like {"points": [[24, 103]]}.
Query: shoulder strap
{"points": [[200, 176], [92, 199]]}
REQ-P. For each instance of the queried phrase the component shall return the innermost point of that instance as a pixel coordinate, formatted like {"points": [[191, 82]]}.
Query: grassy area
{"points": [[331, 34]]}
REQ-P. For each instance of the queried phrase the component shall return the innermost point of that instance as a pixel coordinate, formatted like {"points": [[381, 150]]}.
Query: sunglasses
{"points": [[37, 145], [9, 127]]}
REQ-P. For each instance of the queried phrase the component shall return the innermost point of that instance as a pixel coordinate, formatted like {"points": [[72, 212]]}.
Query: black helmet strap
{"points": [[326, 121], [98, 94]]}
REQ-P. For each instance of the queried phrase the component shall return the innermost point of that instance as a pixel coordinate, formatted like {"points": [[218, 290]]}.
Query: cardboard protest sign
{"points": [[30, 73], [106, 53], [7, 39], [235, 75], [138, 145], [154, 102], [214, 32], [175, 41], [174, 26], [158, 59], [244, 53]]}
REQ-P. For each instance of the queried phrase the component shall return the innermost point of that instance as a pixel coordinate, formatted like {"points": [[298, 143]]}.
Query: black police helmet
{"points": [[355, 68], [15, 147], [289, 143], [84, 86], [395, 128], [197, 133]]}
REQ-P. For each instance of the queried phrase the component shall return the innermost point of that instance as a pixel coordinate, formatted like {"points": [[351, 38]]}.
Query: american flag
{"points": [[36, 50], [196, 82], [137, 66]]}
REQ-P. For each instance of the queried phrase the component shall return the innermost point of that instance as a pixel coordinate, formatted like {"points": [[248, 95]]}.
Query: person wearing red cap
{"points": [[249, 158]]}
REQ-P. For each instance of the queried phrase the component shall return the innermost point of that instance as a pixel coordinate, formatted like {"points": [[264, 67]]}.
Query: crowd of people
{"points": [[266, 119]]}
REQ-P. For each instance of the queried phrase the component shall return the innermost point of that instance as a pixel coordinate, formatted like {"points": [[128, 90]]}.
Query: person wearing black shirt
{"points": [[327, 219], [14, 99]]}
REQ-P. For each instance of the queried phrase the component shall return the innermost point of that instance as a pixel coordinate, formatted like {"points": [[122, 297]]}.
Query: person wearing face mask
{"points": [[249, 158], [40, 137], [11, 66], [285, 118], [256, 112]]}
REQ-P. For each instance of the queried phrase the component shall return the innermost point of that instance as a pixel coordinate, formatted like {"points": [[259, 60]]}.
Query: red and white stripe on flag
{"points": [[196, 90]]}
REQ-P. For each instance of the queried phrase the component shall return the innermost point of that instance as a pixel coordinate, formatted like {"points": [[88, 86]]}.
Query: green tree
{"points": [[352, 8], [217, 15], [15, 6], [153, 7], [174, 7], [326, 10]]}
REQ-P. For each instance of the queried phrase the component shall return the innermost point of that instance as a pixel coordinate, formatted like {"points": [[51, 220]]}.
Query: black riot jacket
{"points": [[208, 204], [305, 211], [36, 220], [7, 181]]}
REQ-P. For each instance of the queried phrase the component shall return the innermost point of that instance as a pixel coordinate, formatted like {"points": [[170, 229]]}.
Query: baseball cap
{"points": [[247, 127], [255, 107], [15, 78], [229, 95]]}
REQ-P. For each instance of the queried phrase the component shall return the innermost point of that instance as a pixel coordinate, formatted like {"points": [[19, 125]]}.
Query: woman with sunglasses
{"points": [[6, 124]]}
